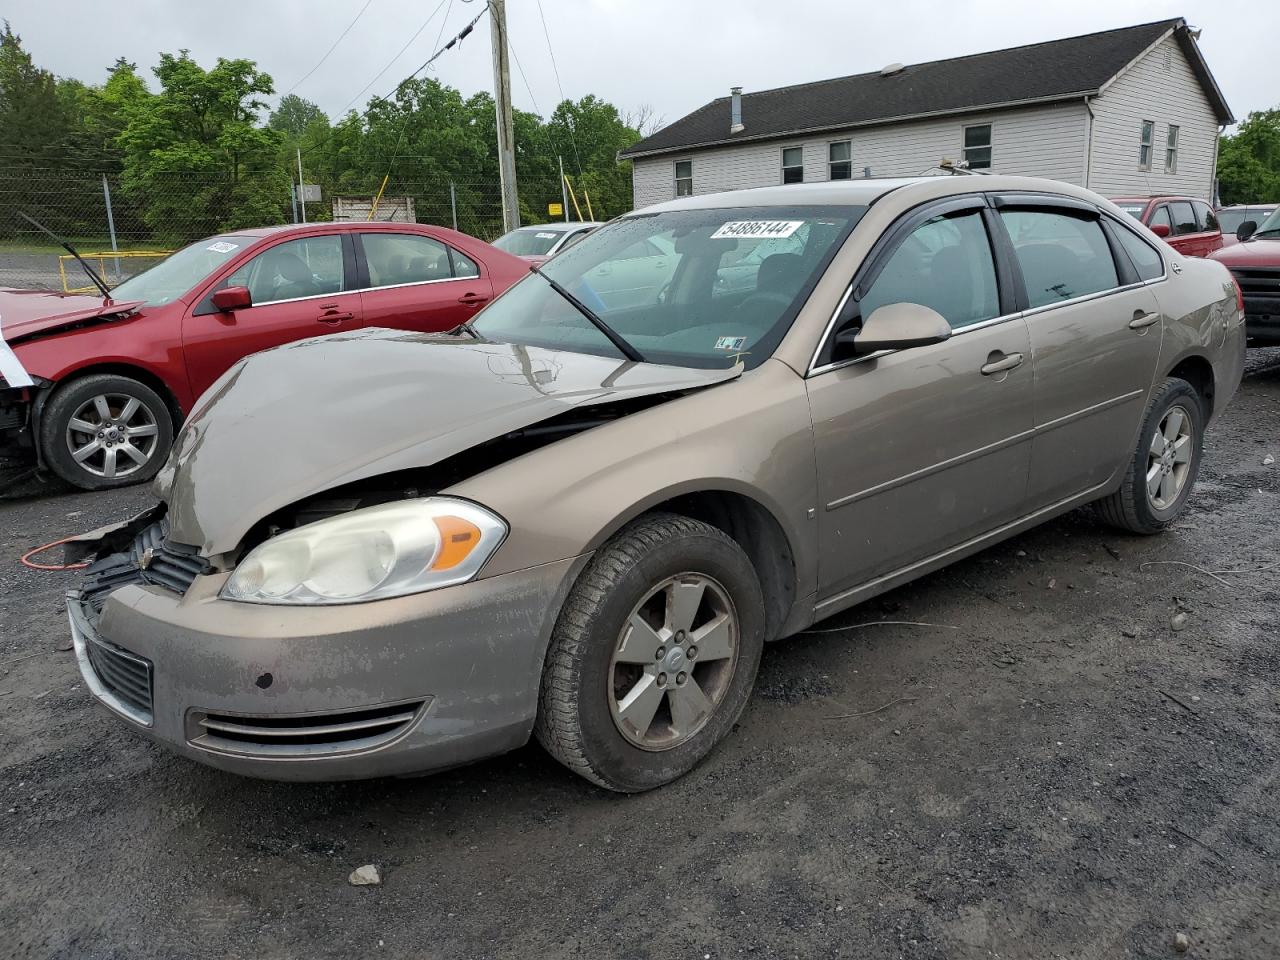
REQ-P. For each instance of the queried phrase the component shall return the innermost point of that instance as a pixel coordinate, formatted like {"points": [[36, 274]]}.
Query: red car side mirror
{"points": [[232, 298], [1159, 229]]}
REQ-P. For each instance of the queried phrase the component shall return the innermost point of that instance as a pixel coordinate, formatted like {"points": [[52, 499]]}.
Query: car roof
{"points": [[1251, 206], [1158, 196], [560, 226], [327, 226]]}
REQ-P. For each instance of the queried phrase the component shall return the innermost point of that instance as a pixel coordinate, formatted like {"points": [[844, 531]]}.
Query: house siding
{"points": [[1162, 88], [1046, 141]]}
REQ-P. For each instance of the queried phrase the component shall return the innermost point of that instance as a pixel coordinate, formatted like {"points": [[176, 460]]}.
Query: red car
{"points": [[95, 387], [1255, 263], [1185, 223]]}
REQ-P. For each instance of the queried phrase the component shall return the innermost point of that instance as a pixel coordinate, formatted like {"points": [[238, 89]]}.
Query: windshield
{"points": [[1230, 220], [1271, 225], [171, 278], [528, 242], [695, 288], [1134, 210]]}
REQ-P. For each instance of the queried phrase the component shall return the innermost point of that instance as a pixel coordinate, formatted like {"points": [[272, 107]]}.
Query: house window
{"points": [[1171, 150], [839, 160], [977, 147], [684, 178], [1144, 145], [793, 164]]}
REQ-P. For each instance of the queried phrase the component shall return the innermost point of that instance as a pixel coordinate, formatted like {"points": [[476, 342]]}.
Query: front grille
{"points": [[1261, 289], [150, 558], [293, 735]]}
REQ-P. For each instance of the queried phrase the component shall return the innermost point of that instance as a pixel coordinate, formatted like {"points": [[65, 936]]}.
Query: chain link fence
{"points": [[123, 228]]}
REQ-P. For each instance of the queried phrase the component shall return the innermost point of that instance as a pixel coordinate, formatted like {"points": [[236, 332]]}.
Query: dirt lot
{"points": [[1064, 773]]}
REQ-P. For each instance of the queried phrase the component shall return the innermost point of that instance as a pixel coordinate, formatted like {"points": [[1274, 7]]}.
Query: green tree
{"points": [[195, 158], [1249, 161], [294, 115], [589, 134]]}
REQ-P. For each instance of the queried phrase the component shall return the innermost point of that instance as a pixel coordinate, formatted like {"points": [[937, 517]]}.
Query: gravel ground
{"points": [[1063, 774]]}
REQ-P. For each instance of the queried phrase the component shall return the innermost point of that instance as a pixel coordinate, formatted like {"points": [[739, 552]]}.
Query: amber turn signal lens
{"points": [[458, 538]]}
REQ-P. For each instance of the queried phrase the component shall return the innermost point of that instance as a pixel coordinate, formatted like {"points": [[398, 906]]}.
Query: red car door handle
{"points": [[471, 299], [331, 315]]}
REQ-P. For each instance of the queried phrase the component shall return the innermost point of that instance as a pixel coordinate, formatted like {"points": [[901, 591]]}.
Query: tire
{"points": [[1134, 507], [580, 717], [130, 449]]}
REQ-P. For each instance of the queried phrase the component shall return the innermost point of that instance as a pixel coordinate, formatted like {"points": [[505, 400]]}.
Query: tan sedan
{"points": [[383, 552]]}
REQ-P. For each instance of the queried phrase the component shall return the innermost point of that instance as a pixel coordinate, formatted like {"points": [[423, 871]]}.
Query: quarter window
{"points": [[1171, 150], [1205, 217], [840, 160], [945, 264], [1142, 255], [792, 164], [306, 267], [977, 147], [1144, 144], [1062, 257], [1184, 218], [684, 178], [396, 258]]}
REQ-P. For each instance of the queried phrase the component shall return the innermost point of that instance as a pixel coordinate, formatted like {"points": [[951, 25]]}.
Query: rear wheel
{"points": [[105, 431], [654, 655], [1164, 467]]}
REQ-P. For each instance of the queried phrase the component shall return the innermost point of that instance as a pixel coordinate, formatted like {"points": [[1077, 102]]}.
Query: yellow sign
{"points": [[555, 210]]}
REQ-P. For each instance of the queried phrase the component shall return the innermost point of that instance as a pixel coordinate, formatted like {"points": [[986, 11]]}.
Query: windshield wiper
{"points": [[1263, 233], [97, 281], [626, 349]]}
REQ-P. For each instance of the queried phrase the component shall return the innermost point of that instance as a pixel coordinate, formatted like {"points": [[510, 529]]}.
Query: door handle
{"points": [[331, 315], [471, 299], [1142, 320], [1006, 362]]}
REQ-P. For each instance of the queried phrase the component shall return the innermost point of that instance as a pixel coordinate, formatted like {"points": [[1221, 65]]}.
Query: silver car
{"points": [[383, 552], [543, 241]]}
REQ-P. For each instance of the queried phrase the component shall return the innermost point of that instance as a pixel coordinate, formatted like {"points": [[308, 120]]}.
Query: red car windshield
{"points": [[172, 277]]}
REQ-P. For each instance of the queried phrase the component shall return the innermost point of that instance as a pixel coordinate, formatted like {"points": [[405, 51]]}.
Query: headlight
{"points": [[385, 551]]}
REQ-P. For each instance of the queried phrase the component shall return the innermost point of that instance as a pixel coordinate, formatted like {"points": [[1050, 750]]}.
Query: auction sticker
{"points": [[756, 229], [222, 246], [546, 236]]}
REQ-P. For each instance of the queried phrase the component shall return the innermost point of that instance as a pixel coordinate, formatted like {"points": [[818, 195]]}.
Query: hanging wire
{"points": [[573, 140], [341, 36], [399, 53]]}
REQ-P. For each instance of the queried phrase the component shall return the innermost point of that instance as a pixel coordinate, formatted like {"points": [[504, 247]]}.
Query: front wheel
{"points": [[105, 431], [654, 655], [1164, 467]]}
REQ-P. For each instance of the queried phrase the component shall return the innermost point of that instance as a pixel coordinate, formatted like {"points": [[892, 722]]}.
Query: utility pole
{"points": [[506, 130], [564, 191], [302, 204]]}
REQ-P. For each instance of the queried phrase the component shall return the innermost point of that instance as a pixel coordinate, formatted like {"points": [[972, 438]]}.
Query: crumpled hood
{"points": [[320, 413], [24, 313], [1264, 252]]}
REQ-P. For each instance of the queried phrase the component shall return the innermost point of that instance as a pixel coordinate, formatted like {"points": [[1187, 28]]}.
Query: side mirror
{"points": [[232, 298], [895, 326], [1246, 230], [1161, 230]]}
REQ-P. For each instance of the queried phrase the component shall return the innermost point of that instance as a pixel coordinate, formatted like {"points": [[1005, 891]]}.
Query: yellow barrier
{"points": [[102, 259]]}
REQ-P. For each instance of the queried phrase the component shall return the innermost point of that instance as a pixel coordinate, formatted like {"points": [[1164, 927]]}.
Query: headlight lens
{"points": [[385, 551]]}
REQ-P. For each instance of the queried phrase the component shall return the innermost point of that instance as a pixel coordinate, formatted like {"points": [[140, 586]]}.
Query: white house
{"points": [[1125, 112]]}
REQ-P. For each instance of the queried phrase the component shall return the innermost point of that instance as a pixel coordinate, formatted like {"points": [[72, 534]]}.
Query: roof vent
{"points": [[891, 69]]}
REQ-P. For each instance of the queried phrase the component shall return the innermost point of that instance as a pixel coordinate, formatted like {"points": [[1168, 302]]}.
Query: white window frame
{"points": [[676, 178], [847, 160], [782, 162], [990, 147], [1172, 133], [1146, 143]]}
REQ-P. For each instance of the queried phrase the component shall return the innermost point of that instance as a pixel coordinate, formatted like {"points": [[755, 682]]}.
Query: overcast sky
{"points": [[672, 55]]}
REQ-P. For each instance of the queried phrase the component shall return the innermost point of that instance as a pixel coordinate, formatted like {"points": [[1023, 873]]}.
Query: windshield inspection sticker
{"points": [[757, 229], [731, 343], [546, 236], [222, 247]]}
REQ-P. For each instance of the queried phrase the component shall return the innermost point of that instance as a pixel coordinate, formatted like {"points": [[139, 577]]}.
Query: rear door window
{"points": [[945, 264], [1205, 217], [1062, 257], [1184, 218], [397, 258]]}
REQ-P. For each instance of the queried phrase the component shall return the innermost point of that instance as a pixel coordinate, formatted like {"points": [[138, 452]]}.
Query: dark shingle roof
{"points": [[1054, 70]]}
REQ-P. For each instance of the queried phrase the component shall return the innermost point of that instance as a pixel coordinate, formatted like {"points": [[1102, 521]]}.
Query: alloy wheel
{"points": [[1169, 458], [674, 662], [112, 435]]}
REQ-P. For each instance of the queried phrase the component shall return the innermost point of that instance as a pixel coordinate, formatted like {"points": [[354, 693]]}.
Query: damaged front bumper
{"points": [[392, 687]]}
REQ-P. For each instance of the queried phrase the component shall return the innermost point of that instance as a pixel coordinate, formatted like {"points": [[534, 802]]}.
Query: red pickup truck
{"points": [[1255, 263], [95, 387], [1188, 225]]}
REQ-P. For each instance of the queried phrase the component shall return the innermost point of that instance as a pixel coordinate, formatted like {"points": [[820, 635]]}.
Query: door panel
{"points": [[918, 451], [300, 289], [415, 282]]}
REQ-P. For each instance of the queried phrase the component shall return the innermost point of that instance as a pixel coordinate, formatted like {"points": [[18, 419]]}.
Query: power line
{"points": [[399, 53], [520, 67], [341, 36], [573, 140]]}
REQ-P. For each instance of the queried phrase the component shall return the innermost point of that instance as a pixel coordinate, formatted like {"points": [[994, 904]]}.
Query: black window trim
{"points": [[362, 262]]}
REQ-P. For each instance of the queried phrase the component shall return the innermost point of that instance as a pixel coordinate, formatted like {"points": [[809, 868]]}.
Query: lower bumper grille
{"points": [[305, 736], [122, 680]]}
